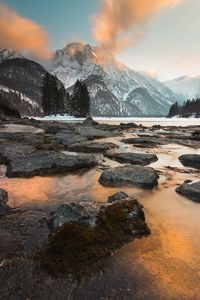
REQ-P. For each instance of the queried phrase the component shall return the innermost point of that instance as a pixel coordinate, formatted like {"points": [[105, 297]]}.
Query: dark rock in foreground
{"points": [[134, 176], [3, 202], [47, 162], [190, 190], [190, 160], [141, 159], [116, 197], [85, 232], [91, 147]]}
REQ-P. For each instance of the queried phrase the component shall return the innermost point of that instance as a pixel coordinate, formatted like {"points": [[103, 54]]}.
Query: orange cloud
{"points": [[120, 22], [22, 34]]}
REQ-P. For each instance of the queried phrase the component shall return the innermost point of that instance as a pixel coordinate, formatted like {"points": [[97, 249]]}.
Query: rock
{"points": [[134, 176], [143, 142], [196, 133], [3, 202], [156, 127], [116, 197], [85, 232], [141, 159], [47, 162], [83, 212], [190, 190], [69, 137], [90, 147], [92, 133], [128, 125], [90, 122], [190, 160]]}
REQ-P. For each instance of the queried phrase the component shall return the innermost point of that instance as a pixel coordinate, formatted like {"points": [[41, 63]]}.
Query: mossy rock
{"points": [[75, 247]]}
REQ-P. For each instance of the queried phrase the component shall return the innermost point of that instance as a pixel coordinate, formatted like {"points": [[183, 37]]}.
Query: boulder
{"points": [[141, 159], [90, 147], [190, 190], [83, 233], [190, 160], [116, 197], [92, 133], [69, 137], [144, 142], [133, 176], [3, 202], [47, 162], [90, 122]]}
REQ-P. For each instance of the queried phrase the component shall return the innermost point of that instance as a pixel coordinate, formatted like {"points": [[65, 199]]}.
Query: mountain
{"points": [[115, 89], [8, 54], [186, 87], [20, 83]]}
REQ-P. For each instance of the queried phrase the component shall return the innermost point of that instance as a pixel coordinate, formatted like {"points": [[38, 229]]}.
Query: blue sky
{"points": [[170, 46], [64, 20]]}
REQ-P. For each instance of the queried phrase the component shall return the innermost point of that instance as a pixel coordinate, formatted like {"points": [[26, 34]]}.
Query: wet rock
{"points": [[196, 133], [190, 160], [69, 137], [141, 159], [134, 176], [90, 122], [116, 197], [143, 142], [91, 132], [47, 162], [190, 190], [11, 150], [84, 233], [83, 212], [90, 147], [3, 202]]}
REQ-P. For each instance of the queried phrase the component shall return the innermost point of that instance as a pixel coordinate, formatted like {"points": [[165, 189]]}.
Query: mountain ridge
{"points": [[80, 61]]}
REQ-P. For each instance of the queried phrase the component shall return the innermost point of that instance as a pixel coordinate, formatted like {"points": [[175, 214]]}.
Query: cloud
{"points": [[22, 35], [120, 22]]}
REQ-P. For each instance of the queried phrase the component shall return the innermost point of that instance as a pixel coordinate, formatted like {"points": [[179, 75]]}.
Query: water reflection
{"points": [[170, 256]]}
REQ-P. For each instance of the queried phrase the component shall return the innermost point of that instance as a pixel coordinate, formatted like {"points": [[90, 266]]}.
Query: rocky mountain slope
{"points": [[115, 89], [186, 87], [20, 83]]}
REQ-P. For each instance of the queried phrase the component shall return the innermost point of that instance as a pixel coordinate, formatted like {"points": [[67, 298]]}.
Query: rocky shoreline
{"points": [[37, 243]]}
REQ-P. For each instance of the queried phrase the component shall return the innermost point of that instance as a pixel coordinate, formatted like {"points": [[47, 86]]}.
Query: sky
{"points": [[162, 38]]}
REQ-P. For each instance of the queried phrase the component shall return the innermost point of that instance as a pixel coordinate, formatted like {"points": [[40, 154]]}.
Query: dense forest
{"points": [[188, 109], [56, 100]]}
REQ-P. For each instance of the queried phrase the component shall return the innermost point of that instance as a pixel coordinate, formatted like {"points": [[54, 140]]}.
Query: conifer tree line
{"points": [[56, 100], [190, 107]]}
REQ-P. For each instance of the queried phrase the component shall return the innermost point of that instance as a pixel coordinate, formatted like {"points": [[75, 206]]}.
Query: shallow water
{"points": [[169, 258], [144, 121]]}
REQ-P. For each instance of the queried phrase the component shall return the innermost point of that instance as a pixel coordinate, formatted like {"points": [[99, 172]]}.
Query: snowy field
{"points": [[143, 121]]}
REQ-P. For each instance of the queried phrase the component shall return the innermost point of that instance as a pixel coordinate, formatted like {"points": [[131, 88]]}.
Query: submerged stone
{"points": [[91, 147], [116, 197], [134, 176], [190, 160], [190, 190], [85, 232], [47, 162], [141, 159]]}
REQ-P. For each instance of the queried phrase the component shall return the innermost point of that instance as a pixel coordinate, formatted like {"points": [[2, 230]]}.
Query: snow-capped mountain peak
{"points": [[187, 87], [111, 84], [8, 54]]}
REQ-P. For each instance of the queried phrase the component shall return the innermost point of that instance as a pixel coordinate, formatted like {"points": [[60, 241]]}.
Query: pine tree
{"points": [[53, 95], [45, 94], [80, 104], [85, 101]]}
